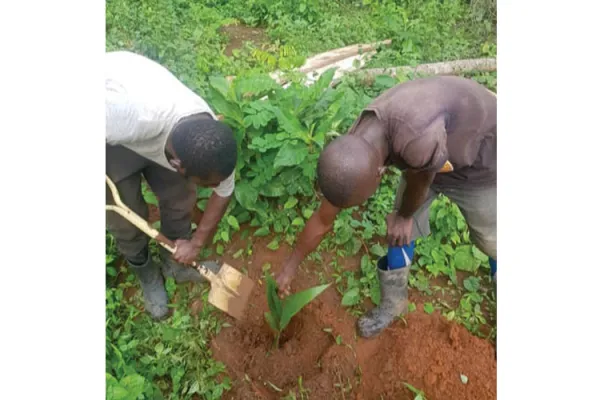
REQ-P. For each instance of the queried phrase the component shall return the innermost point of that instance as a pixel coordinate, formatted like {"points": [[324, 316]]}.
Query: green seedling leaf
{"points": [[471, 284], [271, 321], [225, 236], [351, 297], [428, 308], [238, 254], [290, 155], [246, 195], [274, 302], [220, 249], [134, 384], [274, 245], [294, 303], [264, 231], [307, 213], [377, 250], [464, 259], [464, 379], [478, 254], [233, 222], [290, 203], [411, 307], [297, 221]]}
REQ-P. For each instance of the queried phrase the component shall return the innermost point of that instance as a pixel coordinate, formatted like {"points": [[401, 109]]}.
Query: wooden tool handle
{"points": [[143, 225]]}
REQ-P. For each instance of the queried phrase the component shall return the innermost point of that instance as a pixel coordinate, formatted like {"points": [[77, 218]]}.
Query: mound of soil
{"points": [[426, 351]]}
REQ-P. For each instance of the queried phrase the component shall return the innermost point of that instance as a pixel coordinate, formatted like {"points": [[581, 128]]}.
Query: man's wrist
{"points": [[197, 242]]}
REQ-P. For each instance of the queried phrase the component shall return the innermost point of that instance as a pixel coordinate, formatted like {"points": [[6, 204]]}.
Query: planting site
{"points": [[306, 345]]}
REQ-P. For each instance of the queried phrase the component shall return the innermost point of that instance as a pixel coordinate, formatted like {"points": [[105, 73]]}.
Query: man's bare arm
{"points": [[415, 194], [214, 211], [317, 226]]}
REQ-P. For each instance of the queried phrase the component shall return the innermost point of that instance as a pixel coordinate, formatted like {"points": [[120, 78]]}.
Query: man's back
{"points": [[456, 115]]}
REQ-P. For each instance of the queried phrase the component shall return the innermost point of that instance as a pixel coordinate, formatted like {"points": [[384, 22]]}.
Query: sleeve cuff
{"points": [[226, 188]]}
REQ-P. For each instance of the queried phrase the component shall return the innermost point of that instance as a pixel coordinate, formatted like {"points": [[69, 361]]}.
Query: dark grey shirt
{"points": [[433, 120]]}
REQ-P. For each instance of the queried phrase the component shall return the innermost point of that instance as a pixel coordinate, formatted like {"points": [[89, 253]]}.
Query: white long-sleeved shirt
{"points": [[143, 103]]}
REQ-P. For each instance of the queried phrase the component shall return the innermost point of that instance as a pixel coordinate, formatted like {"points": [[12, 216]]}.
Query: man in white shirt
{"points": [[158, 129]]}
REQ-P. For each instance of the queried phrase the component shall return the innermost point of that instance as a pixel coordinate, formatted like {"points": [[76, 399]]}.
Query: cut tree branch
{"points": [[440, 68]]}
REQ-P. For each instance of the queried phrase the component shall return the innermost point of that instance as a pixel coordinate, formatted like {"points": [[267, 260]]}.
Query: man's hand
{"points": [[186, 251], [399, 229], [284, 280]]}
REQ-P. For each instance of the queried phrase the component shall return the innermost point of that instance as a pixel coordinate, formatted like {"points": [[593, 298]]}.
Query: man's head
{"points": [[203, 149], [349, 171]]}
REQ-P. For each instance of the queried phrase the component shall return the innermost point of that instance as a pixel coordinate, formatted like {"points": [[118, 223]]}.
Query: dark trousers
{"points": [[176, 199]]}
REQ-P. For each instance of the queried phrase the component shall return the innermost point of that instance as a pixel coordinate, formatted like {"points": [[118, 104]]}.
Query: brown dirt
{"points": [[426, 351], [238, 34]]}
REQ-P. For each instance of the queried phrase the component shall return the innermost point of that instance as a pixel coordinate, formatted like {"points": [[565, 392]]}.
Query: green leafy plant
{"points": [[419, 394], [282, 311]]}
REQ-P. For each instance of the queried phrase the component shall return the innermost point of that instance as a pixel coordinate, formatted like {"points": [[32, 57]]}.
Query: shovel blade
{"points": [[230, 291]]}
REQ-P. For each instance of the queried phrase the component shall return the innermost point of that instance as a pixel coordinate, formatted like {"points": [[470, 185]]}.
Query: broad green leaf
{"points": [[225, 236], [273, 300], [220, 84], [297, 221], [471, 284], [464, 259], [246, 195], [149, 196], [385, 81], [273, 189], [290, 154], [233, 222], [377, 250], [294, 303], [307, 213], [273, 245], [117, 392], [288, 122], [134, 385], [290, 203], [222, 105], [478, 254], [351, 297], [428, 308], [325, 79], [264, 231]]}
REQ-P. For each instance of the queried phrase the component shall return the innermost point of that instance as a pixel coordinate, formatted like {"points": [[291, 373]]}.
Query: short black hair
{"points": [[205, 146], [343, 168]]}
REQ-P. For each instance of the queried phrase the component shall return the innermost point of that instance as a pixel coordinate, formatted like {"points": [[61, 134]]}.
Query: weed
{"points": [[419, 394]]}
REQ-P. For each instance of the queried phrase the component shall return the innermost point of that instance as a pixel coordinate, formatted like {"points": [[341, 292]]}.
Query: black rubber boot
{"points": [[153, 288], [181, 273], [394, 300]]}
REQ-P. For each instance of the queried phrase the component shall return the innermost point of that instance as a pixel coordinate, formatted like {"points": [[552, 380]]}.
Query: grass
{"points": [[186, 36], [172, 360]]}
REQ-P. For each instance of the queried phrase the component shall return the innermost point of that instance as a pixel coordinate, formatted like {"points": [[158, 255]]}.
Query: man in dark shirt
{"points": [[441, 132]]}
